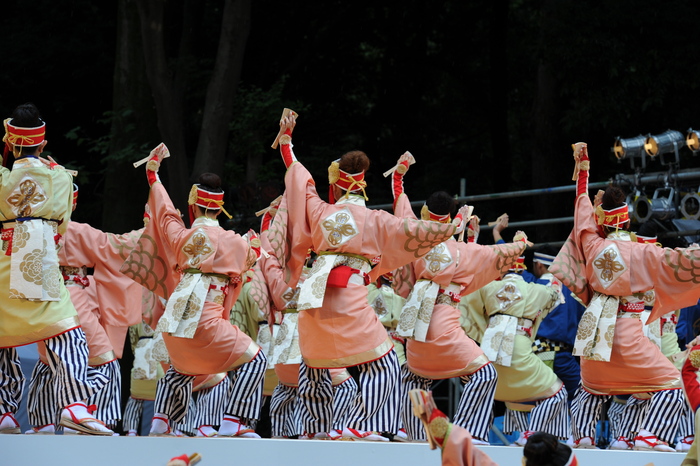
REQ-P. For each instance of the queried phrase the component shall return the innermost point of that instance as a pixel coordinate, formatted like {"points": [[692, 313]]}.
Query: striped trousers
{"points": [[133, 411], [42, 403], [372, 409], [686, 426], [11, 380], [475, 409], [586, 409], [284, 412], [514, 421], [615, 414], [210, 404], [72, 379], [344, 395], [663, 415], [174, 391], [551, 415]]}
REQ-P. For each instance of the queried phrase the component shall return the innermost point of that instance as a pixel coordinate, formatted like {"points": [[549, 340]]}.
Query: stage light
{"points": [[692, 140], [690, 206], [661, 206], [629, 147], [666, 142]]}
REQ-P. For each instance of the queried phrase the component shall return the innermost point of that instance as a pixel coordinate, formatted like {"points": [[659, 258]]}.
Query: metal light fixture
{"points": [[661, 206], [664, 143], [630, 148], [692, 140], [690, 206]]}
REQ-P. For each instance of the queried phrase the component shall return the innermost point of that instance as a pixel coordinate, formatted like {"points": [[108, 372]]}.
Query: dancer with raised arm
{"points": [[337, 326]]}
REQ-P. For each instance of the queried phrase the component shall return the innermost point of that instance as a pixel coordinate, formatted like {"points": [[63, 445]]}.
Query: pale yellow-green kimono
{"points": [[43, 199], [526, 378]]}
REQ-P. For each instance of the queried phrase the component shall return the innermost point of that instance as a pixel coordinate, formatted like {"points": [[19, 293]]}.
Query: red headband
{"points": [[614, 217], [426, 214], [519, 264], [23, 137]]}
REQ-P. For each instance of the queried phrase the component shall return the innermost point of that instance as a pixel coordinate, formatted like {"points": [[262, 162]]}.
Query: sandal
{"points": [[168, 432], [239, 430], [10, 429], [650, 442], [68, 419]]}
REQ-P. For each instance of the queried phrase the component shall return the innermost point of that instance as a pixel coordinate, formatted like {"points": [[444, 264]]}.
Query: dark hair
{"points": [[543, 449], [26, 116], [613, 197], [210, 182], [354, 161], [441, 203], [648, 229], [548, 249]]}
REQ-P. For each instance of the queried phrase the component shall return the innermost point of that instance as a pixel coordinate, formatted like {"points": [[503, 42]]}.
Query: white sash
{"points": [[416, 313], [313, 290], [148, 355], [184, 308], [499, 338], [596, 329], [34, 270]]}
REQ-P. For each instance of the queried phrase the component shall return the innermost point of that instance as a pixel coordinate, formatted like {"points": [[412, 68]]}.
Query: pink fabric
{"points": [[447, 350], [345, 330], [119, 297], [636, 365], [458, 450], [673, 273], [217, 344]]}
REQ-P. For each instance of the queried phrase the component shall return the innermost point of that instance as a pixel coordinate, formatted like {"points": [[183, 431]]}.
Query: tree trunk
{"points": [[168, 90], [126, 188], [218, 107]]}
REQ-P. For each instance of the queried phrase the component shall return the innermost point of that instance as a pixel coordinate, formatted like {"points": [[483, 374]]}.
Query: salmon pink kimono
{"points": [[220, 256], [337, 326], [458, 449], [597, 268], [118, 297], [449, 270]]}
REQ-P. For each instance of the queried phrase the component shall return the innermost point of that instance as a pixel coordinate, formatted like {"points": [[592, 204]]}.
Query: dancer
{"points": [[436, 346], [195, 325], [37, 199], [337, 326], [515, 310], [609, 272]]}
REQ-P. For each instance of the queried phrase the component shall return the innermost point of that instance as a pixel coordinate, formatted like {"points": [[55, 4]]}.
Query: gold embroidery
{"points": [[437, 257], [31, 266], [508, 295], [608, 266], [339, 228], [28, 197], [197, 248]]}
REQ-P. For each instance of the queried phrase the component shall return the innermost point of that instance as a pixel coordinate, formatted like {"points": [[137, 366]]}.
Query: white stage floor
{"points": [[21, 450]]}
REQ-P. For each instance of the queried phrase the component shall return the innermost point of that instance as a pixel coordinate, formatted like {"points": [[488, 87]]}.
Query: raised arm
{"points": [[287, 127]]}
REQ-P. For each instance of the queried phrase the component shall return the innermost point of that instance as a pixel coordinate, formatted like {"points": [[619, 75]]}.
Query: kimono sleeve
{"points": [[485, 264], [404, 240]]}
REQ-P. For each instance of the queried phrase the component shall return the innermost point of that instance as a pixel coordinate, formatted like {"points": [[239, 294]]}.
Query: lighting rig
{"points": [[669, 199]]}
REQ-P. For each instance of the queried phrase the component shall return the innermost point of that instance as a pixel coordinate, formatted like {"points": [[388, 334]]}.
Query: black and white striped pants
{"points": [[43, 407], [551, 415], [72, 379], [344, 395], [210, 403], [284, 412], [475, 409], [174, 391], [660, 418], [372, 409], [133, 411]]}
